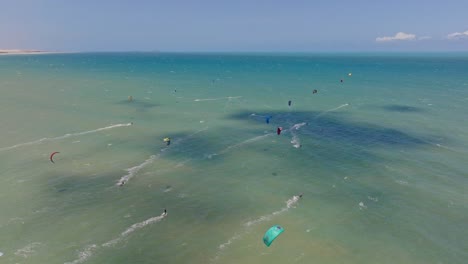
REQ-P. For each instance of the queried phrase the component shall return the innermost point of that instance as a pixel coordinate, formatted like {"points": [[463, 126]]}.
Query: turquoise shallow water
{"points": [[382, 164]]}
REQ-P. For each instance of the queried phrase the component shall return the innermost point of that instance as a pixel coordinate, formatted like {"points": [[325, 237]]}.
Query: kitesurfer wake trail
{"points": [[248, 225], [134, 228], [330, 110], [65, 136], [257, 138], [89, 250], [134, 170], [214, 99]]}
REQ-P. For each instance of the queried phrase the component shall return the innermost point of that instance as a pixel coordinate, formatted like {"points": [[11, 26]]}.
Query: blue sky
{"points": [[241, 25]]}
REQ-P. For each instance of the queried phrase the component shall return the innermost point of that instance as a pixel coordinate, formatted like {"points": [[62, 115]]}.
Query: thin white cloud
{"points": [[398, 36], [458, 35]]}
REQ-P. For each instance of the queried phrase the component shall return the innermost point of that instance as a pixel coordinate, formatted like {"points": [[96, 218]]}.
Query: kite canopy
{"points": [[51, 158], [271, 234]]}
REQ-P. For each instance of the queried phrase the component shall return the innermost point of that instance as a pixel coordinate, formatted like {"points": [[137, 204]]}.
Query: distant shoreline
{"points": [[5, 52], [24, 52]]}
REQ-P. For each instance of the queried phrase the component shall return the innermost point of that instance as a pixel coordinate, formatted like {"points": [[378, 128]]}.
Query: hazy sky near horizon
{"points": [[241, 25]]}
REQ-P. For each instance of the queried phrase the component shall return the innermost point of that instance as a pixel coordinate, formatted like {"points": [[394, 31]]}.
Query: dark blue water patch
{"points": [[336, 127], [403, 108], [139, 105], [77, 183]]}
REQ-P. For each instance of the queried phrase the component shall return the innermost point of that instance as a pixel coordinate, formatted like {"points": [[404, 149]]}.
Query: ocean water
{"points": [[381, 158]]}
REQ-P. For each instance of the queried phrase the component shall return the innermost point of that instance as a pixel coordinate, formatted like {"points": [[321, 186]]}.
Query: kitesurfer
{"points": [[278, 130], [267, 119], [164, 212], [297, 197], [341, 80], [289, 103], [314, 91], [167, 140]]}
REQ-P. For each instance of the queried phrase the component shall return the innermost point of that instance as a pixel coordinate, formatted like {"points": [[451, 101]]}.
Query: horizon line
{"points": [[39, 51]]}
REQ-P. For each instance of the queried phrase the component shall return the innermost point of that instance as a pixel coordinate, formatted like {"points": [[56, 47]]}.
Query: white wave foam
{"points": [[84, 255], [220, 98], [16, 219], [330, 110], [291, 202], [401, 182], [232, 239], [362, 206], [260, 116], [295, 141], [294, 127], [295, 138], [64, 136], [27, 250]]}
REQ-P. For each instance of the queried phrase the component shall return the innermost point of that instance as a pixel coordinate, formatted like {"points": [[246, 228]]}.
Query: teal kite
{"points": [[271, 234]]}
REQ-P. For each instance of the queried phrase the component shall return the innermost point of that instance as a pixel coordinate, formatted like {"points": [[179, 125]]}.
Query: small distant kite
{"points": [[52, 156], [278, 130], [271, 234]]}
